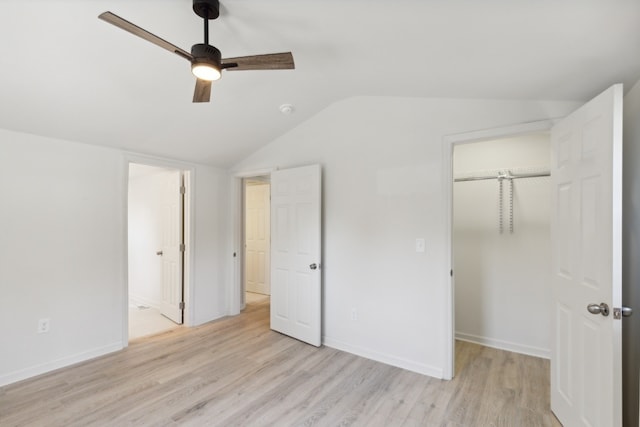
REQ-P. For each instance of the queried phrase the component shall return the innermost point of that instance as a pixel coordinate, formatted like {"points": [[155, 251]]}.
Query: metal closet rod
{"points": [[507, 175]]}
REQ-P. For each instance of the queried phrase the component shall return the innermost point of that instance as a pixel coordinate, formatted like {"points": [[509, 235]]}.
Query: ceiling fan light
{"points": [[205, 64], [205, 71]]}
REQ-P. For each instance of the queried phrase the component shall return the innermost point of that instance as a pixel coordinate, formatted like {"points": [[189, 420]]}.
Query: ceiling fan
{"points": [[206, 60]]}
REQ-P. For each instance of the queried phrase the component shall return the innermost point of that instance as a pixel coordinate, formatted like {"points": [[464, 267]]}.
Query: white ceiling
{"points": [[66, 74]]}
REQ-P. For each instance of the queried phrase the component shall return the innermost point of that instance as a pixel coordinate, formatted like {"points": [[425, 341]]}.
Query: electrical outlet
{"points": [[354, 314], [43, 326]]}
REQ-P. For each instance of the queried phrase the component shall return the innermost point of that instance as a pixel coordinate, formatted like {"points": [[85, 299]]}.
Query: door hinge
{"points": [[181, 305], [183, 189], [182, 247], [619, 313]]}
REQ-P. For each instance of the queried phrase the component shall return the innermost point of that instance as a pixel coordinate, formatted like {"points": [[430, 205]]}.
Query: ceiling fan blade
{"points": [[122, 23], [203, 91], [270, 61]]}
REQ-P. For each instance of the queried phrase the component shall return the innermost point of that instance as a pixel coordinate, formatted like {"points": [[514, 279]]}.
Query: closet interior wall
{"points": [[501, 245]]}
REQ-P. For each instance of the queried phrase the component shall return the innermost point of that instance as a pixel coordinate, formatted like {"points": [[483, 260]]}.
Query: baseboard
{"points": [[43, 368], [388, 359], [505, 345]]}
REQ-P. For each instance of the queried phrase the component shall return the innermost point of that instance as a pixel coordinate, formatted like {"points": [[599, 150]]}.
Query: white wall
{"points": [[210, 190], [383, 188], [146, 195], [60, 252], [63, 251], [631, 255], [503, 281]]}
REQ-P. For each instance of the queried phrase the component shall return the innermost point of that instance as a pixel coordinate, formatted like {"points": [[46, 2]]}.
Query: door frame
{"points": [[235, 296], [188, 172], [449, 143]]}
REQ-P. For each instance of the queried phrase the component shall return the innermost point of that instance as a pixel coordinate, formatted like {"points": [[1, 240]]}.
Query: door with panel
{"points": [[257, 238], [171, 304], [296, 294], [586, 230]]}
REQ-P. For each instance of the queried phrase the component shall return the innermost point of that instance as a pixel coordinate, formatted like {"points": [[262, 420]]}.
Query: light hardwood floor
{"points": [[237, 372]]}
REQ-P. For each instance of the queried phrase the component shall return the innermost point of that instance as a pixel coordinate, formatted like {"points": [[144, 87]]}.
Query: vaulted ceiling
{"points": [[66, 74]]}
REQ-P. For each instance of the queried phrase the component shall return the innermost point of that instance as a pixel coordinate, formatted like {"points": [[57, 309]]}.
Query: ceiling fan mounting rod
{"points": [[206, 9], [206, 31]]}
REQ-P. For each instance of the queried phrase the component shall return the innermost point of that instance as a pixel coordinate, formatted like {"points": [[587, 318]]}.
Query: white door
{"points": [[171, 303], [586, 229], [295, 253], [257, 238]]}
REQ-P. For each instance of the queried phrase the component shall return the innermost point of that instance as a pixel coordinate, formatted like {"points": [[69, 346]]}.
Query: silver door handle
{"points": [[601, 308], [627, 311], [159, 253], [313, 266]]}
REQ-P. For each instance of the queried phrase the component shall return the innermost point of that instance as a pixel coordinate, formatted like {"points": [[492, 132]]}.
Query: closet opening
{"points": [[500, 240]]}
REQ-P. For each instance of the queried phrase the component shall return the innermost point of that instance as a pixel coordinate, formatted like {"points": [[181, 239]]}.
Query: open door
{"points": [[586, 233], [172, 305], [296, 297]]}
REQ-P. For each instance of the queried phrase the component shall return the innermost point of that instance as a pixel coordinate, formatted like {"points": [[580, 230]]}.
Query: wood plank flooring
{"points": [[237, 372]]}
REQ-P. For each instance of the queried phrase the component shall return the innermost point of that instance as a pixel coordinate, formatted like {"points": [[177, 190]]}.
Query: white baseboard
{"points": [[43, 368], [505, 345], [388, 359]]}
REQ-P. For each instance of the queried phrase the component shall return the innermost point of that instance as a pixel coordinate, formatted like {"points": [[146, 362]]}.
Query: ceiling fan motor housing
{"points": [[207, 54], [207, 9]]}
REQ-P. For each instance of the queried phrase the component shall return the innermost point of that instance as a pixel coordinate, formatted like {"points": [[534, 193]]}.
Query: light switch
{"points": [[420, 245]]}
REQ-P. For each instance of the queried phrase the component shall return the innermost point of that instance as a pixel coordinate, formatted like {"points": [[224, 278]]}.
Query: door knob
{"points": [[601, 308], [159, 253], [313, 266]]}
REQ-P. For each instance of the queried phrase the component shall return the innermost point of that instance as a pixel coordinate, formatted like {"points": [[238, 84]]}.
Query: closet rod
{"points": [[503, 176]]}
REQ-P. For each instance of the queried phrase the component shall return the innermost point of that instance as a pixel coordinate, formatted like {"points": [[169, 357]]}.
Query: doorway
{"points": [[585, 251], [156, 249], [296, 249], [257, 239], [450, 144], [500, 243]]}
